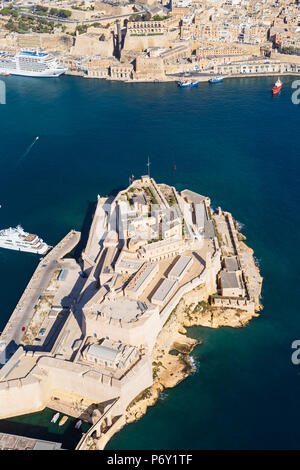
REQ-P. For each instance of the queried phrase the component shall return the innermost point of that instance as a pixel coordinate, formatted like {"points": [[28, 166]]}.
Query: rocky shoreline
{"points": [[170, 356]]}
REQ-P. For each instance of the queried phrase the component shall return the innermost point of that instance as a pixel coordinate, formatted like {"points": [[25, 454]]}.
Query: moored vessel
{"points": [[216, 79], [277, 87], [55, 417], [187, 83], [30, 63], [19, 240]]}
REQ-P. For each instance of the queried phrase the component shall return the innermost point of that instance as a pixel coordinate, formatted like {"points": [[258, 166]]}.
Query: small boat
{"points": [[63, 420], [55, 418], [78, 424], [186, 83], [5, 74], [277, 87], [216, 79]]}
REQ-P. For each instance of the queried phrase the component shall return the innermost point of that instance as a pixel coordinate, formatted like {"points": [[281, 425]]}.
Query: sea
{"points": [[233, 142]]}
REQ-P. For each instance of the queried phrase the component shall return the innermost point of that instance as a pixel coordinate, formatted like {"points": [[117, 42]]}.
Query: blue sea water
{"points": [[233, 142]]}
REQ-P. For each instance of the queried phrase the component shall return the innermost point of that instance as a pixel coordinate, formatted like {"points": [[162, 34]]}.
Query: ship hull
{"points": [[182, 85], [276, 90], [41, 251], [36, 75], [31, 64]]}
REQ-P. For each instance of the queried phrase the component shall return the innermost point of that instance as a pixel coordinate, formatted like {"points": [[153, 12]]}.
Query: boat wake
{"points": [[28, 150], [240, 225], [194, 364], [257, 262], [163, 396]]}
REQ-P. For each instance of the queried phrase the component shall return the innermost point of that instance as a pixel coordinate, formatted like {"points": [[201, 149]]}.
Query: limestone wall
{"points": [[207, 278], [141, 43], [18, 397], [50, 376], [141, 332], [88, 45]]}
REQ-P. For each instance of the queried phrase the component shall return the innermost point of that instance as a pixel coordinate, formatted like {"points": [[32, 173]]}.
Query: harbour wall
{"points": [[49, 376]]}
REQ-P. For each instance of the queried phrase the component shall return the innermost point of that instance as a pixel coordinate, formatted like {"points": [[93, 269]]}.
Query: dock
{"points": [[13, 332]]}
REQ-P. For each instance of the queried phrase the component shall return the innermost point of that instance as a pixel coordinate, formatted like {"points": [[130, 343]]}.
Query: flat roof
{"points": [[194, 197], [123, 309], [200, 214], [164, 289], [209, 229], [229, 280], [139, 279], [231, 263], [180, 266], [129, 263], [103, 352]]}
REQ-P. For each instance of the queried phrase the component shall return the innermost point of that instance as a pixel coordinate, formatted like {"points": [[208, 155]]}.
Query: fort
{"points": [[110, 319]]}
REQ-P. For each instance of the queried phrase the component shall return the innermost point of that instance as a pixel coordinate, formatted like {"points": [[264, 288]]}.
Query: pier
{"points": [[13, 332]]}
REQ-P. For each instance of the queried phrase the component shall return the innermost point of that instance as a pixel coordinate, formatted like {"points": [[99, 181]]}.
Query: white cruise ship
{"points": [[30, 64], [17, 239]]}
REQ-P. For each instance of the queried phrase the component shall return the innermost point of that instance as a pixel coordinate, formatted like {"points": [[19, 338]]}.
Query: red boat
{"points": [[277, 87]]}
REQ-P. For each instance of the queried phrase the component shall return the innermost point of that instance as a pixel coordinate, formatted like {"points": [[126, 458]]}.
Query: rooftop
{"points": [[229, 280], [164, 289], [231, 263], [123, 309]]}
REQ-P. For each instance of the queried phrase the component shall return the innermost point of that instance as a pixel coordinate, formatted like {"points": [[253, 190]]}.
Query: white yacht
{"points": [[29, 63], [17, 239]]}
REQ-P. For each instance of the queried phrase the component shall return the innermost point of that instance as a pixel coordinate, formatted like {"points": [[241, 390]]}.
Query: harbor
{"points": [[224, 352]]}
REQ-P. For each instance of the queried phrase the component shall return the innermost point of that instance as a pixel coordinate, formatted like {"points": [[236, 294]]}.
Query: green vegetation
{"points": [[142, 396], [169, 317], [171, 199], [129, 200], [183, 227], [159, 18], [19, 23], [149, 34], [102, 37], [9, 12], [25, 24], [149, 192], [290, 50], [220, 241], [81, 29], [60, 13], [146, 17], [40, 10]]}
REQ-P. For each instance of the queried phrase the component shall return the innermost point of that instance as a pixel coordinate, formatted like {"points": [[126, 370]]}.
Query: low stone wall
{"points": [[242, 304]]}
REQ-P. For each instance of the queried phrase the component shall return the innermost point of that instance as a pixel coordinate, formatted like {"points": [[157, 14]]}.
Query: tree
{"points": [[102, 37], [146, 16]]}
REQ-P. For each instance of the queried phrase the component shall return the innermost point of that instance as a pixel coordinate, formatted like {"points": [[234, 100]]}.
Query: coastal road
{"points": [[63, 20]]}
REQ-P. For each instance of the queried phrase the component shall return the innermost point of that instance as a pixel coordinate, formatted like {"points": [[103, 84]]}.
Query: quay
{"points": [[13, 332], [13, 442]]}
